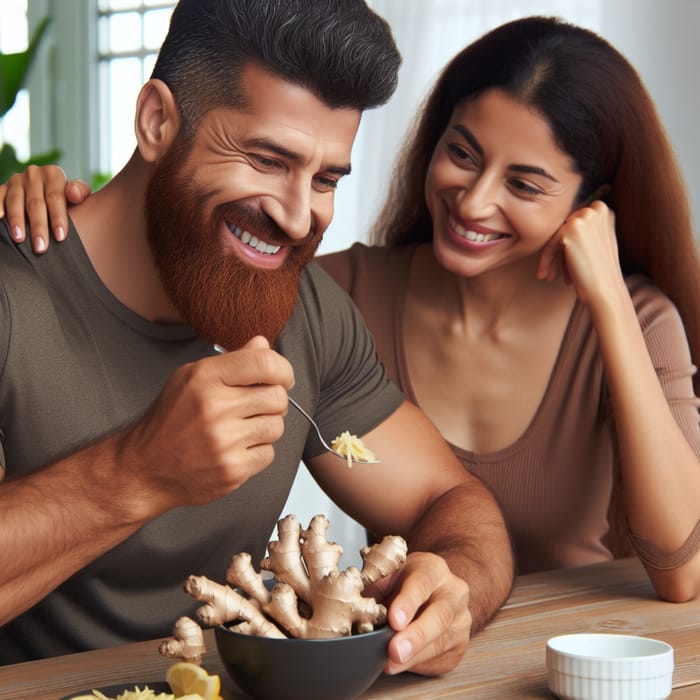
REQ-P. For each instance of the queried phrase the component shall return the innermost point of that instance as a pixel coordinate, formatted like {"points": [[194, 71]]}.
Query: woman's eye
{"points": [[460, 154], [523, 188]]}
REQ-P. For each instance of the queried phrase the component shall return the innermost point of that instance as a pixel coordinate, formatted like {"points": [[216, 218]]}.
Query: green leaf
{"points": [[100, 180], [8, 162], [9, 165], [14, 68], [42, 158]]}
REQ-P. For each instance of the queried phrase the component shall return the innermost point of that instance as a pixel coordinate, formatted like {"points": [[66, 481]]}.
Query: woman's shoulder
{"points": [[364, 264], [661, 323], [649, 300]]}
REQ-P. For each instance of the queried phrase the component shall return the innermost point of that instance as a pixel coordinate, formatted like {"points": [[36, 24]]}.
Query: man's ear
{"points": [[157, 120]]}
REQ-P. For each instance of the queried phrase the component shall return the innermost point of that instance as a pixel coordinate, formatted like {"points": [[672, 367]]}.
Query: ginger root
{"points": [[336, 603], [223, 604], [187, 642], [383, 558], [311, 597]]}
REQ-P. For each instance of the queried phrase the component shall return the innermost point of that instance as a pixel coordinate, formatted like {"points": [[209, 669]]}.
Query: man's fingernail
{"points": [[60, 233], [405, 649], [400, 619], [39, 245], [16, 233]]}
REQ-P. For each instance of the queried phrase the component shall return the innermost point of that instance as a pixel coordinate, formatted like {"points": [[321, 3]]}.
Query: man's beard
{"points": [[226, 300]]}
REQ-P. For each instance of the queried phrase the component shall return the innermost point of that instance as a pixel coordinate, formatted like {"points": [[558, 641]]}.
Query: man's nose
{"points": [[291, 210]]}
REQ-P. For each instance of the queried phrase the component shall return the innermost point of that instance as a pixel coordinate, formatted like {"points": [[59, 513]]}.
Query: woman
{"points": [[543, 333]]}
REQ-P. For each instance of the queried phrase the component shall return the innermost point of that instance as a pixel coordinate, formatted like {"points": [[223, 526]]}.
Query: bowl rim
{"points": [[380, 631], [664, 649]]}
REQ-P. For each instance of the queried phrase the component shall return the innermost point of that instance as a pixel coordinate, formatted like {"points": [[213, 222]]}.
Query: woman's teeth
{"points": [[253, 242], [473, 235]]}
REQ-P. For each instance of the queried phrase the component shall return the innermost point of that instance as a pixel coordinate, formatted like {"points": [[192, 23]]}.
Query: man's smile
{"points": [[254, 250], [252, 241]]}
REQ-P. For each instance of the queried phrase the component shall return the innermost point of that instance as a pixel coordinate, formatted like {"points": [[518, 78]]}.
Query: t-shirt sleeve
{"points": [[376, 279], [354, 391], [340, 266]]}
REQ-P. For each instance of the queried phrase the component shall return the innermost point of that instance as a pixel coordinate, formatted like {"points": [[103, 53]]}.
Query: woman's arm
{"points": [[43, 192], [659, 463]]}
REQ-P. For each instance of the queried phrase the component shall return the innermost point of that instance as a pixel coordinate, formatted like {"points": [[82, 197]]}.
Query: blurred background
{"points": [[96, 54]]}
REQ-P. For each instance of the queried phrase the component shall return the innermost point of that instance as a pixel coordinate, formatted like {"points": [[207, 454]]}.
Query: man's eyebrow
{"points": [[528, 169], [288, 154]]}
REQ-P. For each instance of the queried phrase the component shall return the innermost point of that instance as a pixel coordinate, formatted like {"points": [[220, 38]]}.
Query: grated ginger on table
{"points": [[136, 694], [351, 447]]}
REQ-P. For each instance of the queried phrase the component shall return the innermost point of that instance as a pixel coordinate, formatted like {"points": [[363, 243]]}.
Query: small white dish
{"points": [[609, 667]]}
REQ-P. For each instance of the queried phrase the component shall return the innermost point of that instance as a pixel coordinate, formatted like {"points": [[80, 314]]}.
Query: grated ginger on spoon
{"points": [[352, 447]]}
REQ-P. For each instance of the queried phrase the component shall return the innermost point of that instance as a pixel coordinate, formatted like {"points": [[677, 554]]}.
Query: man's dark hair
{"points": [[340, 50]]}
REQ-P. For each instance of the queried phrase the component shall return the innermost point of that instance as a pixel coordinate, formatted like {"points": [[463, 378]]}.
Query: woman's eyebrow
{"points": [[533, 170], [469, 137], [528, 169]]}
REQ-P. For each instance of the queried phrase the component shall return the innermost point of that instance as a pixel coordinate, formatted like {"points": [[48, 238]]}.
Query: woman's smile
{"points": [[473, 235]]}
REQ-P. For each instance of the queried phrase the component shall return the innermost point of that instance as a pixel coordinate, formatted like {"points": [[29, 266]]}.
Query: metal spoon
{"points": [[314, 425]]}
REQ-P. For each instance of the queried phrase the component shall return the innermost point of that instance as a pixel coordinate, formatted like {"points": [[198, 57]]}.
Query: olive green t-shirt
{"points": [[77, 365]]}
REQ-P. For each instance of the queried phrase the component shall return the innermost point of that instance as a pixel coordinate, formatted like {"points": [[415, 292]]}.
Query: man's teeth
{"points": [[473, 235], [253, 242]]}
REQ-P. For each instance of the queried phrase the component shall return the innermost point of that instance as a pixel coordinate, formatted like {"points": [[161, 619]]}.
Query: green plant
{"points": [[14, 69]]}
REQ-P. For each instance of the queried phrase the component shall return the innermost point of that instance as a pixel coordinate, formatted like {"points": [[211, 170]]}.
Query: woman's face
{"points": [[498, 186]]}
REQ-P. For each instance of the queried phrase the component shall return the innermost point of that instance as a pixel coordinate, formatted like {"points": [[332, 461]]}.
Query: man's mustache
{"points": [[259, 224]]}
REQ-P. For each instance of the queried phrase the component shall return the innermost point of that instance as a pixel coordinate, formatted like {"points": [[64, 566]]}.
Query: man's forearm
{"points": [[55, 522], [465, 527]]}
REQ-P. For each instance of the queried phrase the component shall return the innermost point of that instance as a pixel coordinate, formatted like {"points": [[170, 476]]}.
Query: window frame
{"points": [[62, 94], [64, 86]]}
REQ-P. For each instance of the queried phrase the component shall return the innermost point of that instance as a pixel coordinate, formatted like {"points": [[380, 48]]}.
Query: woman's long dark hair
{"points": [[600, 114]]}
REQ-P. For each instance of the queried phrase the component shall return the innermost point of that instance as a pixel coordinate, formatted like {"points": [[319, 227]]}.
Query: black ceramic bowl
{"points": [[313, 669]]}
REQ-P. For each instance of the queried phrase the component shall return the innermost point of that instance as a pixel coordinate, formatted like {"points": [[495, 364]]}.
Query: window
{"points": [[14, 127], [129, 35]]}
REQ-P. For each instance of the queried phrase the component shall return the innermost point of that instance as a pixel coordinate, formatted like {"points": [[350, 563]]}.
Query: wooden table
{"points": [[506, 660]]}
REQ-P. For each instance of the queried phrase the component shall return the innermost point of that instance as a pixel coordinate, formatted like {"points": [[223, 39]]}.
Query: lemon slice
{"points": [[185, 678]]}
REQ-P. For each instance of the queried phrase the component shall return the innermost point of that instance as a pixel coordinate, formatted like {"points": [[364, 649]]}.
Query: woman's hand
{"points": [[584, 250], [40, 194]]}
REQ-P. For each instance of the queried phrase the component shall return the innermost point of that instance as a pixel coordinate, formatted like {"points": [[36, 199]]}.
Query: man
{"points": [[136, 455]]}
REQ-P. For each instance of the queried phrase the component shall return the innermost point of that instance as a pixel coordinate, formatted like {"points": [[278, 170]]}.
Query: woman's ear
{"points": [[599, 193], [157, 120]]}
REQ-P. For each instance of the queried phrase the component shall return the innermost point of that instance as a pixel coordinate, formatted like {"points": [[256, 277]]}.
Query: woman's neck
{"points": [[488, 303]]}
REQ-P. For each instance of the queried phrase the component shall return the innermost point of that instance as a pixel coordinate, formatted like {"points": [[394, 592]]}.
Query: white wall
{"points": [[662, 40]]}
